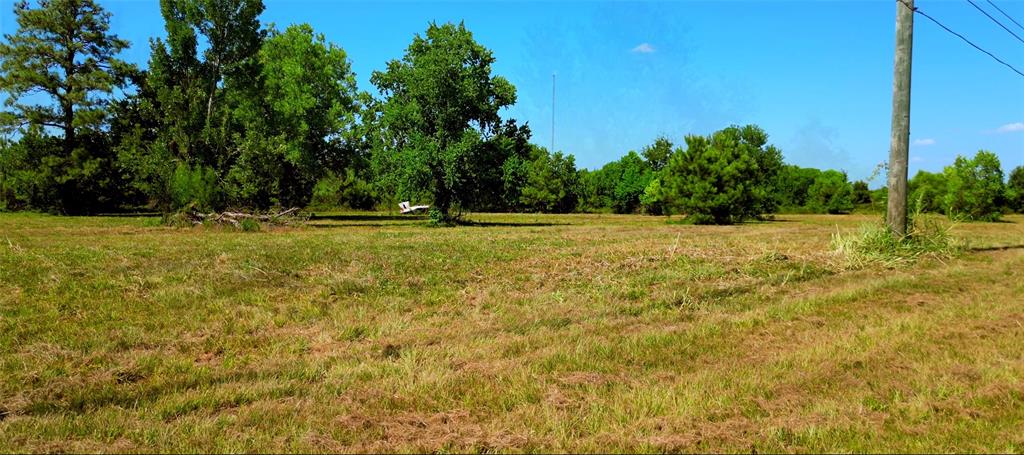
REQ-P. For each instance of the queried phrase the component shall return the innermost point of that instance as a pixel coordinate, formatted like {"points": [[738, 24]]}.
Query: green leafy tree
{"points": [[551, 185], [654, 201], [300, 125], [499, 169], [233, 35], [440, 106], [192, 97], [26, 179], [58, 71], [658, 154], [975, 187], [618, 185], [1015, 190], [597, 188], [346, 190], [830, 193], [791, 186], [861, 192], [725, 177], [635, 175], [929, 190]]}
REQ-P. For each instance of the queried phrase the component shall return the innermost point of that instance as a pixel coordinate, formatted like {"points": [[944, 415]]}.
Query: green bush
{"points": [[351, 191], [930, 190], [249, 225], [654, 200], [194, 186], [438, 218], [975, 187], [1015, 190], [551, 183], [861, 193], [724, 178], [830, 193]]}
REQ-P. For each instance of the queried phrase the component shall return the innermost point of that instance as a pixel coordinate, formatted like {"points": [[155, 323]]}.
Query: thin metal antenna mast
{"points": [[552, 112]]}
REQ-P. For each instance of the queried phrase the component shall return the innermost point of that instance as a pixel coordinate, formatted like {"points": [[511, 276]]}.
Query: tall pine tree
{"points": [[63, 50]]}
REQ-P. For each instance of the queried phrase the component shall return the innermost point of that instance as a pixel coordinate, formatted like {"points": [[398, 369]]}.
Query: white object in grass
{"points": [[404, 207]]}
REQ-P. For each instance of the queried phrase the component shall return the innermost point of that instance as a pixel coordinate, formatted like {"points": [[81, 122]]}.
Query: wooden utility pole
{"points": [[900, 140]]}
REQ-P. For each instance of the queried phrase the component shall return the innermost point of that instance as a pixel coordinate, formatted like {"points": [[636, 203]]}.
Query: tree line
{"points": [[231, 112]]}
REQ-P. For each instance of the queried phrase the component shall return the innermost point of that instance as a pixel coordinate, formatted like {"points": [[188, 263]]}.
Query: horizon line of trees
{"points": [[231, 112]]}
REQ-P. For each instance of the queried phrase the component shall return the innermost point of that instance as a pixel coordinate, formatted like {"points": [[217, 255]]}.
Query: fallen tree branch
{"points": [[290, 216]]}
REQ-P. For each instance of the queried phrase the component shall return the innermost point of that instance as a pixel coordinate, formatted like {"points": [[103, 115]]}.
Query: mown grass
{"points": [[371, 332]]}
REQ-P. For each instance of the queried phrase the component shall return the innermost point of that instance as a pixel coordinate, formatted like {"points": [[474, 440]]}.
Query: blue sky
{"points": [[817, 76]]}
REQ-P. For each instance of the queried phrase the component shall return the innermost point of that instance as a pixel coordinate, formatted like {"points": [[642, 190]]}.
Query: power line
{"points": [[918, 11], [1004, 14], [975, 5]]}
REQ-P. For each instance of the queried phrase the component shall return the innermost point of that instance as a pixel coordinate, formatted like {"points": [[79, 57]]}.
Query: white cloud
{"points": [[1011, 127], [923, 142], [916, 159], [643, 48]]}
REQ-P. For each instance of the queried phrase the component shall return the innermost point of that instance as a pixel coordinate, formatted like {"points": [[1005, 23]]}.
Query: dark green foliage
{"points": [[658, 154], [36, 174], [597, 188], [635, 175], [58, 71], [551, 184], [880, 199], [792, 184], [195, 187], [830, 193], [440, 106], [500, 169], [618, 186], [27, 181], [928, 192], [655, 201], [1015, 190], [299, 124], [347, 191], [725, 177], [975, 187], [190, 101], [269, 114], [861, 193]]}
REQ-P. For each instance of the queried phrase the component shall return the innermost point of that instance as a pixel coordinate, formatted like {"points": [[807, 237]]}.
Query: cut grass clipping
{"points": [[874, 244]]}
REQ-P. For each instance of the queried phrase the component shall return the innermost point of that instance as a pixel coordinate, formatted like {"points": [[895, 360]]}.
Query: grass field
{"points": [[369, 332]]}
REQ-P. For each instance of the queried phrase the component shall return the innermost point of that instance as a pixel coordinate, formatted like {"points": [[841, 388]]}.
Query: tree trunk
{"points": [[213, 91]]}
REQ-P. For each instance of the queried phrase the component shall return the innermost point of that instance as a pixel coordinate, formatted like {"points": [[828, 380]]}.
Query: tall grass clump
{"points": [[875, 244]]}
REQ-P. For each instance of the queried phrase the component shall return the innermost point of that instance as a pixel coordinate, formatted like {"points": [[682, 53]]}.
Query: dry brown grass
{"points": [[543, 333]]}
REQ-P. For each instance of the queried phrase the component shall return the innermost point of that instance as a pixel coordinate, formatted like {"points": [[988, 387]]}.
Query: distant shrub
{"points": [[346, 191], [1015, 190], [830, 193], [654, 200], [929, 190], [975, 187], [437, 218], [194, 186], [249, 225], [551, 183], [724, 178], [861, 193]]}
